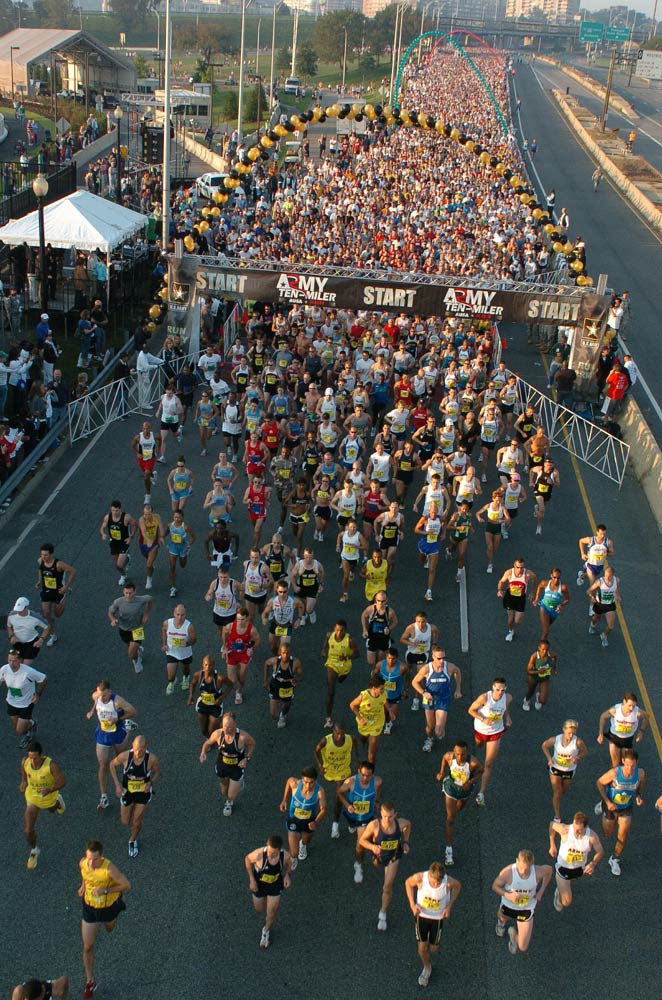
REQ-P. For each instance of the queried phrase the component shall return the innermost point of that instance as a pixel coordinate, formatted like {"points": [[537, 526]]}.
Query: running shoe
{"points": [[303, 851], [120, 583], [204, 451], [52, 639], [448, 859], [614, 865], [358, 872], [458, 576], [538, 703], [351, 829], [344, 598], [592, 630], [148, 583], [500, 929], [133, 848], [604, 640], [580, 578], [329, 722], [138, 665], [381, 921], [227, 808], [130, 726], [512, 941], [33, 859], [490, 568], [387, 728], [526, 705], [480, 799], [335, 831], [483, 478], [597, 808], [282, 722], [161, 459], [90, 989], [170, 687], [59, 805], [510, 635], [238, 698], [428, 595], [148, 498], [184, 685], [538, 532], [27, 738], [279, 530], [264, 939], [424, 978], [173, 592], [426, 564], [312, 617], [103, 803], [293, 863], [429, 743], [558, 905], [415, 704]]}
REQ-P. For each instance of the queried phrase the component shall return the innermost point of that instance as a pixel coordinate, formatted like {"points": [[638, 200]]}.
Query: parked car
{"points": [[293, 86], [208, 183]]}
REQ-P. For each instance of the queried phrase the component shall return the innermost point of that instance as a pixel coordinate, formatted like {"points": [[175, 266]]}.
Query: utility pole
{"points": [[610, 78]]}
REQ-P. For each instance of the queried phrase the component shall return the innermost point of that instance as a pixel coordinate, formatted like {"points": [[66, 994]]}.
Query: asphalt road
{"points": [[618, 242], [189, 924]]}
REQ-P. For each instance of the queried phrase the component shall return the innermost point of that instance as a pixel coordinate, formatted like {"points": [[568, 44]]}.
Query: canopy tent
{"points": [[81, 220]]}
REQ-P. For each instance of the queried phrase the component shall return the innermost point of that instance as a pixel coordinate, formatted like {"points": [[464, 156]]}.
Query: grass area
{"points": [[44, 122]]}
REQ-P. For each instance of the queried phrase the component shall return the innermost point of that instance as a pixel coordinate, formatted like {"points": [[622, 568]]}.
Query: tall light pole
{"points": [[12, 49], [344, 60], [257, 48], [40, 188], [242, 47], [118, 114], [273, 56], [166, 129], [295, 37]]}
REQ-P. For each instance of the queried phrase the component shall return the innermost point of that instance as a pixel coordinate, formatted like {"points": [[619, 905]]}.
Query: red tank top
{"points": [[238, 649], [517, 584], [257, 506]]}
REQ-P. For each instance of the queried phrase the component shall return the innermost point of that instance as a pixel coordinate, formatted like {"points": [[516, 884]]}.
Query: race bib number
{"points": [[207, 698], [390, 685], [115, 534], [431, 904], [177, 642], [302, 813], [286, 692], [253, 588], [138, 634], [50, 583], [269, 879], [623, 727], [574, 857], [136, 785], [108, 726], [361, 809], [179, 486], [281, 630]]}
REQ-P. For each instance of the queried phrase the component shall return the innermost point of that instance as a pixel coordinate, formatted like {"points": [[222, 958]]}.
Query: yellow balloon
{"points": [[368, 111], [557, 247], [568, 247], [581, 280], [204, 212], [280, 130], [484, 157], [588, 280], [577, 266], [356, 109], [150, 326], [203, 226], [536, 213], [525, 198], [215, 211], [253, 154], [500, 167], [331, 112], [317, 113], [189, 243], [163, 294], [515, 182], [470, 145], [549, 228], [439, 126], [216, 197], [155, 312], [266, 142], [455, 134]]}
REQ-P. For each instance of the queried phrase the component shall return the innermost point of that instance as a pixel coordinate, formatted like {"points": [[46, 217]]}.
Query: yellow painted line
{"points": [[627, 638]]}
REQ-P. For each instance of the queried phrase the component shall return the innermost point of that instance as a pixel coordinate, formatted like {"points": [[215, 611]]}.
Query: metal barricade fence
{"points": [[114, 401], [576, 435]]}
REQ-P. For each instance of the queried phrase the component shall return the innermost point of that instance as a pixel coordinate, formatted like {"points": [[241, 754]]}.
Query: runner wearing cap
{"points": [[27, 631]]}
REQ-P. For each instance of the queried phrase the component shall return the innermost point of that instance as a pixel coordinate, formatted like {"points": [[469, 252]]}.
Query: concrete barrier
{"points": [[216, 162], [594, 86], [645, 456], [637, 198]]}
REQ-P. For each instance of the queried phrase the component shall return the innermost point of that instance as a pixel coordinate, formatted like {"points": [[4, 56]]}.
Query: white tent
{"points": [[81, 220]]}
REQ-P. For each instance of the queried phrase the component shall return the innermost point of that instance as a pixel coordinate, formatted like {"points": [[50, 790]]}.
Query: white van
{"points": [[293, 86]]}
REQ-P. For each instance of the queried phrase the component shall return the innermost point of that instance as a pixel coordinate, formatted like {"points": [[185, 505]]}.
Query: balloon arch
{"points": [[441, 36]]}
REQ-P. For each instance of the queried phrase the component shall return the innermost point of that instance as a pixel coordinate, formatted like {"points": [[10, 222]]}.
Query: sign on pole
{"points": [[649, 65], [591, 31], [62, 125], [616, 34]]}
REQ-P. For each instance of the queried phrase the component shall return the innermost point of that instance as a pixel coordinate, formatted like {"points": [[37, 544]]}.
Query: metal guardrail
{"points": [[52, 438]]}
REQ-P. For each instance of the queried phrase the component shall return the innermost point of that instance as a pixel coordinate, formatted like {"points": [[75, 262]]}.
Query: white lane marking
{"points": [[44, 507], [464, 612]]}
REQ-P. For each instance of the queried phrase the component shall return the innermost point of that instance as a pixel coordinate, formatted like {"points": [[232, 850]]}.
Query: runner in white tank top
{"points": [[576, 841], [517, 885], [491, 714], [431, 896], [177, 639]]}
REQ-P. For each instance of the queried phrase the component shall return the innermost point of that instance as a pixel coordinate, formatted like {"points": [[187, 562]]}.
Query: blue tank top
{"points": [[363, 801], [177, 534], [394, 680], [622, 791], [181, 482], [390, 845], [437, 684], [551, 599], [302, 807]]}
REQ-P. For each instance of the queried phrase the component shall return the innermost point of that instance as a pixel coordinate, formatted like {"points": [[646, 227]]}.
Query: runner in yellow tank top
{"points": [[41, 784], [338, 651], [101, 889], [369, 707]]}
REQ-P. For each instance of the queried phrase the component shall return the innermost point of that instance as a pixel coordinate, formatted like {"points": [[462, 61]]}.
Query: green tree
{"points": [[7, 16], [131, 12], [329, 34], [142, 66], [382, 27], [654, 44], [283, 59], [231, 105], [212, 37], [307, 60], [250, 113], [54, 13]]}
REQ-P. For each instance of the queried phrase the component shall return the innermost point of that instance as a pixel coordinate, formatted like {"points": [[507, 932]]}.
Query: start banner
{"points": [[192, 276]]}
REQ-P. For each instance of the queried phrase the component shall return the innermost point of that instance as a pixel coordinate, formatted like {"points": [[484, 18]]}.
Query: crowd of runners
{"points": [[341, 447]]}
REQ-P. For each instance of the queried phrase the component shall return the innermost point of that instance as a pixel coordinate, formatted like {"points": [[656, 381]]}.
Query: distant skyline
{"points": [[642, 8]]}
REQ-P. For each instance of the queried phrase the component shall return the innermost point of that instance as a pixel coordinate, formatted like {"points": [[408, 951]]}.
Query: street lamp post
{"points": [[118, 113], [40, 188], [12, 49], [240, 99], [344, 60]]}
